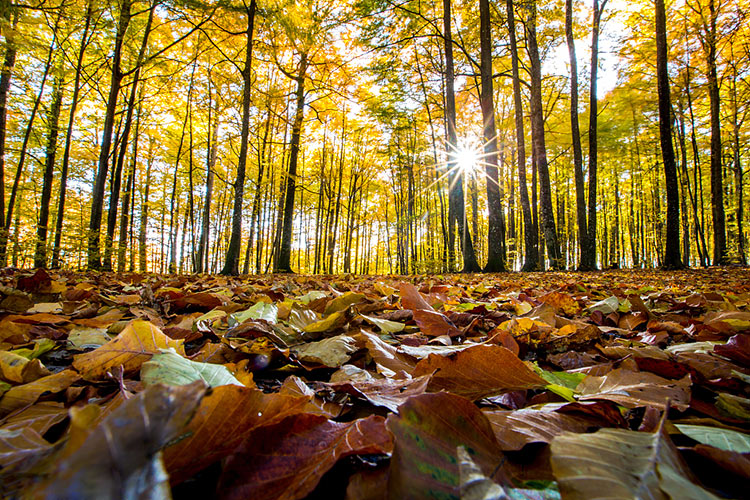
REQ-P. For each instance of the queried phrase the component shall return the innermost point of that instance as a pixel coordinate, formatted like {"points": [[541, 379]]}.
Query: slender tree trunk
{"points": [[496, 250], [531, 241], [142, 230], [128, 194], [25, 148], [717, 194], [114, 196], [212, 144], [285, 251], [232, 260], [576, 138], [457, 216], [53, 120], [589, 262], [540, 150], [97, 198], [672, 258], [68, 138], [6, 73]]}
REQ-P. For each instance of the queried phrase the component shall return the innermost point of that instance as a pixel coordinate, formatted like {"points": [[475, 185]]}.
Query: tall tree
{"points": [[283, 263], [588, 258], [456, 215], [85, 41], [496, 253], [530, 235], [672, 249], [576, 139], [539, 146], [116, 76], [232, 259], [53, 120]]}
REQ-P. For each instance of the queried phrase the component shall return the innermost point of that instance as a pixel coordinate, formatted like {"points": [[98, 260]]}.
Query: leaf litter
{"points": [[554, 385]]}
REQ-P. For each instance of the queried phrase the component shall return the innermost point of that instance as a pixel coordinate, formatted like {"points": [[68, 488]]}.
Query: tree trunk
{"points": [[142, 258], [576, 138], [672, 258], [53, 120], [68, 139], [588, 258], [456, 216], [114, 197], [128, 194], [531, 241], [496, 250], [6, 72], [540, 150], [717, 193], [97, 197], [283, 264], [25, 149], [232, 260]]}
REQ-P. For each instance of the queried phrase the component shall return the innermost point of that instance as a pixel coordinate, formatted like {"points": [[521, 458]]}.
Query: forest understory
{"points": [[522, 385]]}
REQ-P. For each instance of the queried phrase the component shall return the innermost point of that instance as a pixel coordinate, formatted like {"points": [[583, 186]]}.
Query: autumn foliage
{"points": [[497, 386]]}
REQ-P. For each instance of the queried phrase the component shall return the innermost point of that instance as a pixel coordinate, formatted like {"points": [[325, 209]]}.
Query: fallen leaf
{"points": [[737, 348], [121, 457], [633, 389], [620, 463], [478, 372], [39, 417], [332, 352], [724, 439], [427, 432], [19, 444], [28, 394], [17, 369], [130, 349], [286, 460], [168, 367], [516, 429], [224, 418], [386, 393]]}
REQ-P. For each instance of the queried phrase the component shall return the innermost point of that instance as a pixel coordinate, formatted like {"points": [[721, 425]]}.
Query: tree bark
{"points": [[540, 150], [672, 258], [53, 119], [97, 197], [496, 250], [232, 260], [717, 188], [456, 216], [576, 138], [531, 262], [588, 259], [69, 138]]}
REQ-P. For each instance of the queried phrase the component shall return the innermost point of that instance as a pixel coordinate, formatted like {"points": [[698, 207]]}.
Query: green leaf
{"points": [[385, 325], [261, 310], [168, 367], [723, 439], [41, 346]]}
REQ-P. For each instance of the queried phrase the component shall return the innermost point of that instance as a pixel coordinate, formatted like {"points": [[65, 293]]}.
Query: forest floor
{"points": [[540, 385]]}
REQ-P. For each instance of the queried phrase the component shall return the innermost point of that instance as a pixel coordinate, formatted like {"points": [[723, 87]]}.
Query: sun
{"points": [[466, 158]]}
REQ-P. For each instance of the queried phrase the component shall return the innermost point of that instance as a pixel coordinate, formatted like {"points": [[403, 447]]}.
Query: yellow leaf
{"points": [[27, 394], [131, 348]]}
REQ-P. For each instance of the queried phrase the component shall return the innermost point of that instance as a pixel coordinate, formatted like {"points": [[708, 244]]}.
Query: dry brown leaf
{"points": [[478, 371], [286, 460], [637, 389]]}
